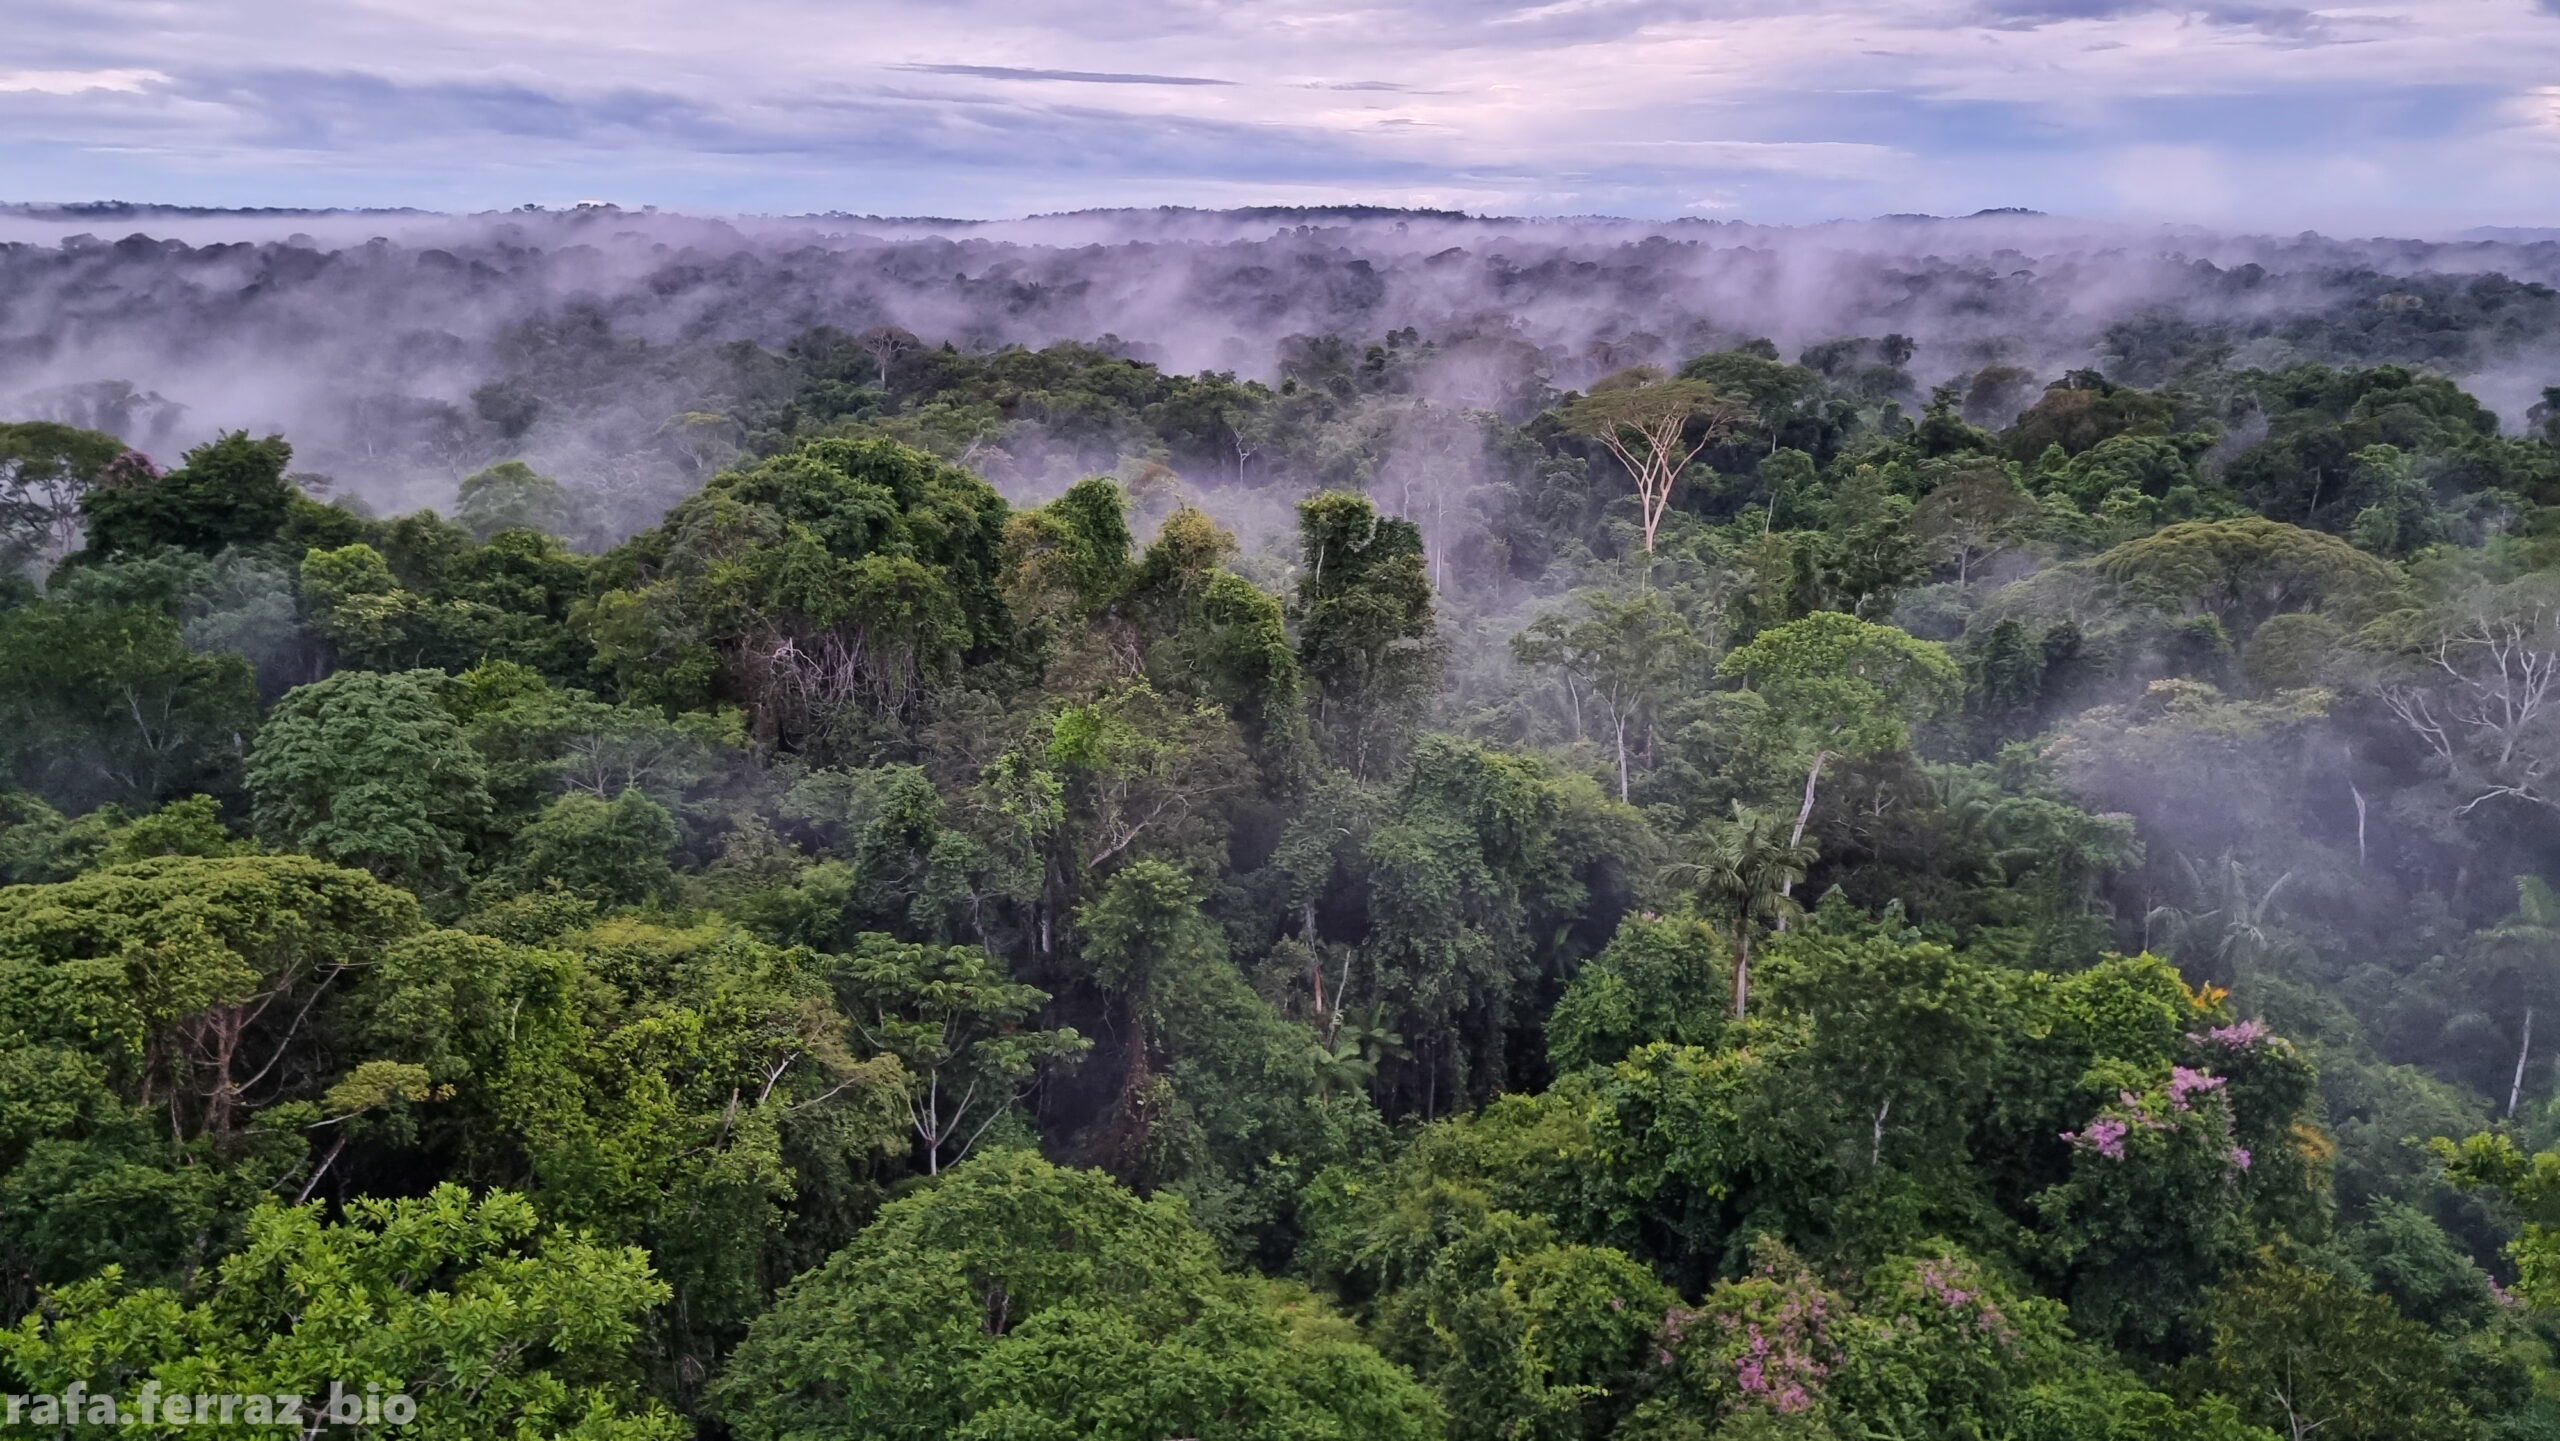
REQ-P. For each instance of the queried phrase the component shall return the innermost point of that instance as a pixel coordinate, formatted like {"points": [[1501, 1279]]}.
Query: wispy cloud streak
{"points": [[2381, 113]]}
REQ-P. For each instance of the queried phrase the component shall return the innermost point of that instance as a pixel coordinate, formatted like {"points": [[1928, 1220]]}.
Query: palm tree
{"points": [[2534, 930], [1750, 867], [1340, 1066], [1359, 1045], [2233, 934]]}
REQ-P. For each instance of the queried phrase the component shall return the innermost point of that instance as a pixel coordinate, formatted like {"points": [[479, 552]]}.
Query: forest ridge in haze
{"points": [[406, 349], [1301, 825]]}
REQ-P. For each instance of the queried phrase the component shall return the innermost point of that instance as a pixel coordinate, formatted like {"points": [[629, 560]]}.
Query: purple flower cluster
{"points": [[1775, 1375], [2238, 1036], [2106, 1132], [1675, 1329], [2184, 1082], [1942, 1281], [2104, 1135], [1776, 1356]]}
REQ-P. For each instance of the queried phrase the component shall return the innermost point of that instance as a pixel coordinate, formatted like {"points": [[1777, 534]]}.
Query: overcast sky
{"points": [[2405, 116]]}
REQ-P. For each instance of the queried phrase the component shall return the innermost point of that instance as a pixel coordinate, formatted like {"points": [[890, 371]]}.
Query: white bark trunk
{"points": [[2515, 1092]]}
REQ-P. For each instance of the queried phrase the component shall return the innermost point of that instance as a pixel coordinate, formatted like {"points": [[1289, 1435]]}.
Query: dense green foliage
{"points": [[1947, 917]]}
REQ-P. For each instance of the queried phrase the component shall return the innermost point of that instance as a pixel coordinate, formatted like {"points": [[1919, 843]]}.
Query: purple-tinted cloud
{"points": [[2396, 114], [1081, 77]]}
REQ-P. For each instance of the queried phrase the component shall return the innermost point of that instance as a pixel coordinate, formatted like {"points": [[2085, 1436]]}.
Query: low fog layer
{"points": [[400, 351]]}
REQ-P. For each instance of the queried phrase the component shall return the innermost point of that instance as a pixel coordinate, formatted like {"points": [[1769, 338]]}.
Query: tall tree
{"points": [[1627, 656], [2476, 681], [1367, 637], [1748, 873], [229, 491], [44, 470], [511, 495], [370, 770], [831, 582], [1834, 684], [2243, 571], [196, 977], [1015, 1298], [1969, 515], [1647, 420], [104, 703], [174, 1035], [954, 1019], [2532, 937]]}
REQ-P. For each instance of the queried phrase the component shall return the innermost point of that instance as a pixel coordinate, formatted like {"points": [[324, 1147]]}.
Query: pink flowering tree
{"points": [[1939, 1335], [1929, 1343], [1763, 1345], [2269, 1082], [2156, 1207]]}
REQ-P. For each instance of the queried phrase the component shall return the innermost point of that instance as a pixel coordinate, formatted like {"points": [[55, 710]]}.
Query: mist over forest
{"points": [[404, 350], [1279, 825]]}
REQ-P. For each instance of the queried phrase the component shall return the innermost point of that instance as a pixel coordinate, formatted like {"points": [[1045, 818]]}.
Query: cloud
{"points": [[1774, 109], [1081, 77], [73, 82], [2275, 21], [339, 110], [1830, 158], [2540, 110]]}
